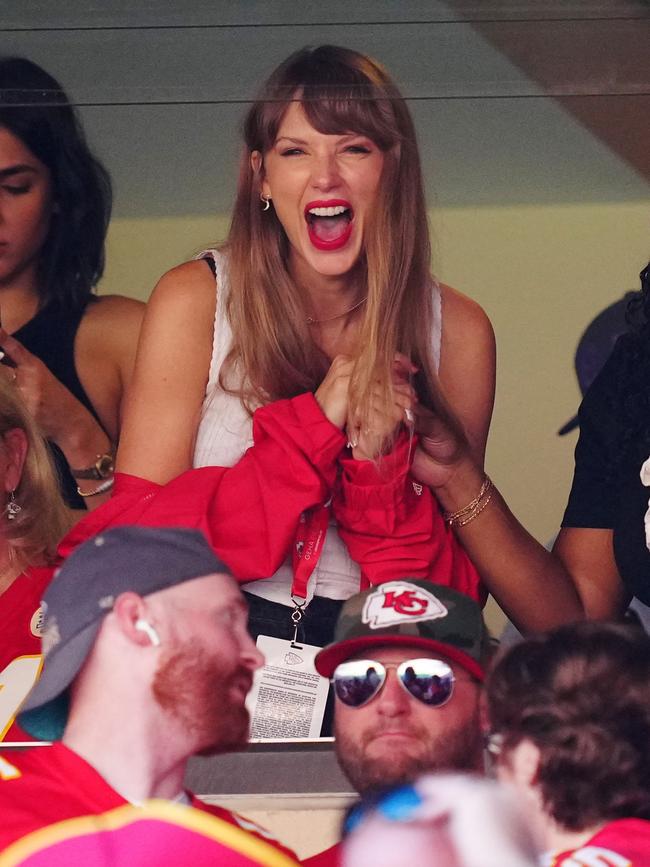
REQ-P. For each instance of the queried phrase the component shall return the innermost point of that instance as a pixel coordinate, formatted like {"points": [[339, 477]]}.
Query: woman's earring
{"points": [[12, 509], [266, 200]]}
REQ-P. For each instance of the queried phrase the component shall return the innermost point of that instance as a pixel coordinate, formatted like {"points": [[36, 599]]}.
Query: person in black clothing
{"points": [[603, 541], [69, 352]]}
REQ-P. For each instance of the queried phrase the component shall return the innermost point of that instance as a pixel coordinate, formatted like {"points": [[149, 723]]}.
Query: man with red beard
{"points": [[407, 664], [148, 662]]}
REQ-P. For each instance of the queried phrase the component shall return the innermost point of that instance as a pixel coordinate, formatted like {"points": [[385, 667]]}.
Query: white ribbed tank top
{"points": [[224, 434]]}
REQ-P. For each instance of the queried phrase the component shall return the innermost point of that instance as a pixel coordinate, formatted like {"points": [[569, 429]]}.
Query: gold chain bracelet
{"points": [[473, 509]]}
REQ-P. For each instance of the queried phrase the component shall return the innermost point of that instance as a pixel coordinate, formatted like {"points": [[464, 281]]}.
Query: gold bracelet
{"points": [[477, 511], [471, 510], [100, 489]]}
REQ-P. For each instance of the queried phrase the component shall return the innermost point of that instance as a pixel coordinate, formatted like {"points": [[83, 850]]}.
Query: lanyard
{"points": [[308, 545]]}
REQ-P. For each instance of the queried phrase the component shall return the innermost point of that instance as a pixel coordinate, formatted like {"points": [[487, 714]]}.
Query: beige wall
{"points": [[541, 273]]}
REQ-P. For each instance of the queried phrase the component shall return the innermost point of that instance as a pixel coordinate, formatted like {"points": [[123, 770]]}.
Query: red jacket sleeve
{"points": [[249, 512], [393, 527]]}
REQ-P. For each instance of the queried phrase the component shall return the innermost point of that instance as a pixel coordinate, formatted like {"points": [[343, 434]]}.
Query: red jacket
{"points": [[250, 512]]}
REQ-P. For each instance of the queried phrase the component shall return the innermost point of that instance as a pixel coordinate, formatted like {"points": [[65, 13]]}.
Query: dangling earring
{"points": [[266, 200], [12, 509]]}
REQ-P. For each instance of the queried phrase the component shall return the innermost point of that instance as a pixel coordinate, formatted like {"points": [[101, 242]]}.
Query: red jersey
{"points": [[45, 785], [158, 832], [20, 646], [329, 858], [623, 843]]}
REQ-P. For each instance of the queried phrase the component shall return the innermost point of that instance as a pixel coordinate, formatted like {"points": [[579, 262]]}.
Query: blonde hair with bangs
{"points": [[340, 91], [43, 518]]}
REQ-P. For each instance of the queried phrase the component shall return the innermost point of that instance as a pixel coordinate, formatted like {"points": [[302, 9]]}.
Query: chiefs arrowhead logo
{"points": [[400, 602]]}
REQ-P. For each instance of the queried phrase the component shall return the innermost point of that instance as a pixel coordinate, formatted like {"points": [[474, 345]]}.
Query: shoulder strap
{"points": [[212, 265]]}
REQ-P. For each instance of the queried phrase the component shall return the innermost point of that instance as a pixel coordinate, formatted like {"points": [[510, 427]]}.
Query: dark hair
{"points": [[581, 694], [34, 107]]}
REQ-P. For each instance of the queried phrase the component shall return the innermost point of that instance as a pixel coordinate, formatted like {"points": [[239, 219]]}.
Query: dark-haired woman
{"points": [[69, 352], [324, 299]]}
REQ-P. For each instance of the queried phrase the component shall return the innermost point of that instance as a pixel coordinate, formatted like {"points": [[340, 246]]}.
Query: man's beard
{"points": [[456, 750], [193, 687]]}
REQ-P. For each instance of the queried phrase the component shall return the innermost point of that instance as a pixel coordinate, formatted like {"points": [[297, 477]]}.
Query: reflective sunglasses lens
{"points": [[431, 681], [357, 681]]}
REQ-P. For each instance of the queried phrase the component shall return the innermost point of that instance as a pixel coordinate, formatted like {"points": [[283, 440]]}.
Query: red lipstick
{"points": [[329, 243]]}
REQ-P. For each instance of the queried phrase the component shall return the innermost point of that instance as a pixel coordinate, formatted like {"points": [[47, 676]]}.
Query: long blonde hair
{"points": [[43, 518], [273, 352]]}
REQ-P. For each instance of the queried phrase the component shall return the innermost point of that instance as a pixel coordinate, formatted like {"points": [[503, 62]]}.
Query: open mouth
{"points": [[329, 223]]}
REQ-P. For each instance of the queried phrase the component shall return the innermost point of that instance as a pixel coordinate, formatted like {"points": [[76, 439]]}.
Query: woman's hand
{"points": [[439, 454], [372, 439], [58, 413], [332, 393]]}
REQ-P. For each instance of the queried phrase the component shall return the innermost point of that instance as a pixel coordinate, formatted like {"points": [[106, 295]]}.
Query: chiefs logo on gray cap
{"points": [[400, 602]]}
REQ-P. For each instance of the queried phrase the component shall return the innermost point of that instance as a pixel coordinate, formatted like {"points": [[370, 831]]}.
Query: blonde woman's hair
{"points": [[273, 354], [43, 518]]}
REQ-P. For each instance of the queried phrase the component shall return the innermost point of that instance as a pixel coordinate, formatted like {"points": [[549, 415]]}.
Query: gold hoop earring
{"points": [[266, 200]]}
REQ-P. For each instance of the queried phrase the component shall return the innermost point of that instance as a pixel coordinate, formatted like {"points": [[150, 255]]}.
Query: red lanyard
{"points": [[308, 545]]}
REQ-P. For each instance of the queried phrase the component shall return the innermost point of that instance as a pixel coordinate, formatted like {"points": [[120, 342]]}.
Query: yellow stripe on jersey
{"points": [[8, 771]]}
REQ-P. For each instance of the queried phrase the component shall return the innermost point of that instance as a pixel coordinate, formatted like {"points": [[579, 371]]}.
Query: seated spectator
{"points": [[32, 520], [407, 663], [570, 712], [440, 821], [605, 533], [71, 353], [147, 662]]}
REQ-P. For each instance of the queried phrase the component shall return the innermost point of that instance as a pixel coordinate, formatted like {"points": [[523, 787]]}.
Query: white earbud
{"points": [[146, 627]]}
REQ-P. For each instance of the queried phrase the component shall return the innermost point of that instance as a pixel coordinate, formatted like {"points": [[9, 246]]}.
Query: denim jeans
{"points": [[271, 618]]}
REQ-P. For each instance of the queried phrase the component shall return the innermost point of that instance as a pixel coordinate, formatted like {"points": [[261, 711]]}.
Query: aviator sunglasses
{"points": [[357, 681]]}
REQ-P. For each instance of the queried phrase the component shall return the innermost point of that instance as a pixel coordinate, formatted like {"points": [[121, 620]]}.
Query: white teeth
{"points": [[328, 212]]}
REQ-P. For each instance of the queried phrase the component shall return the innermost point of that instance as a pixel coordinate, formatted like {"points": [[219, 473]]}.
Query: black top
{"points": [[50, 336], [607, 492]]}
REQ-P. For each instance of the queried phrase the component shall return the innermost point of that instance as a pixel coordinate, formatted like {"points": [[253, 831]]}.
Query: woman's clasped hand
{"points": [[371, 439]]}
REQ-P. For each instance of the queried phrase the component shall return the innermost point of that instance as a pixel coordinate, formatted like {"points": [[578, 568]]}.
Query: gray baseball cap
{"points": [[83, 591]]}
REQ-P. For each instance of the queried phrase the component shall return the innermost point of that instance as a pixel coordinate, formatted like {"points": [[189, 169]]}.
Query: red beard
{"points": [[208, 700]]}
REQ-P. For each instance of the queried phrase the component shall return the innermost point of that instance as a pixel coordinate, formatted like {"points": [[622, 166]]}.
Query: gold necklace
{"points": [[312, 321]]}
